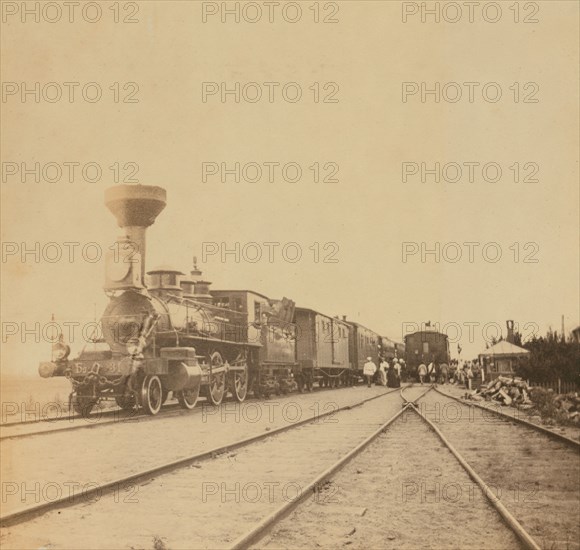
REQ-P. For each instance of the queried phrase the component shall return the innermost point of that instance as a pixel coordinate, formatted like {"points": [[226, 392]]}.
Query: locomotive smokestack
{"points": [[136, 207]]}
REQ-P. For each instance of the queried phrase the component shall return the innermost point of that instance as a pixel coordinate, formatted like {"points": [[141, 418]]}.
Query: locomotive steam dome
{"points": [[164, 281]]}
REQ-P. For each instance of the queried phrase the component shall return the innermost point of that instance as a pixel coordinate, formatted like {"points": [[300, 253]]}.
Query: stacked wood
{"points": [[504, 390], [515, 392]]}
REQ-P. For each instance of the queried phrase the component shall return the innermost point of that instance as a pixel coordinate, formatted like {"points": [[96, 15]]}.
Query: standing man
{"points": [[431, 372], [468, 376], [444, 373], [422, 372], [369, 370]]}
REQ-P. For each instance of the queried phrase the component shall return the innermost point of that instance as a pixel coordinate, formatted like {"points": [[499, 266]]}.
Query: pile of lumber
{"points": [[504, 390], [515, 392]]}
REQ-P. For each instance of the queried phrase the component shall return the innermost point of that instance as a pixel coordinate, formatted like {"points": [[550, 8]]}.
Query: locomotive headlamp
{"points": [[60, 351]]}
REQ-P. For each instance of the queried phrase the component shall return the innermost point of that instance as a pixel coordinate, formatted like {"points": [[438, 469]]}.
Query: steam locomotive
{"points": [[169, 332]]}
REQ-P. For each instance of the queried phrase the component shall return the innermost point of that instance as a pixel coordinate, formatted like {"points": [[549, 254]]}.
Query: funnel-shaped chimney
{"points": [[136, 207]]}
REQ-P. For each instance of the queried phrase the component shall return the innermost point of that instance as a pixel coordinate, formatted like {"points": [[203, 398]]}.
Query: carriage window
{"points": [[425, 347], [222, 301]]}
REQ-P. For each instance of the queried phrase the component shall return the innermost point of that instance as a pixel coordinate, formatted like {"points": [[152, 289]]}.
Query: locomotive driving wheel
{"points": [[240, 383], [151, 397], [188, 398], [216, 388]]}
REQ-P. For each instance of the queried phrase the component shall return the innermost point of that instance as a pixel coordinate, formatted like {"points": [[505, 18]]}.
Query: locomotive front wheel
{"points": [[217, 382], [151, 394], [240, 384], [188, 398]]}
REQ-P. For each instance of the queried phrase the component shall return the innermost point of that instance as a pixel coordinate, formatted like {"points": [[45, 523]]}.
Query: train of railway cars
{"points": [[165, 331]]}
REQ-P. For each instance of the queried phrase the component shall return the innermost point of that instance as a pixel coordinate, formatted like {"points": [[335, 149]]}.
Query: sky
{"points": [[352, 230]]}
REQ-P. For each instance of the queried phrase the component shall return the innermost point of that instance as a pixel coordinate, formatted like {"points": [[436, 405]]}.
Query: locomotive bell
{"points": [[136, 207]]}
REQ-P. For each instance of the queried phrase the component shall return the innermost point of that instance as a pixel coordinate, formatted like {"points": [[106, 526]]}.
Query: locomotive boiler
{"points": [[169, 337]]}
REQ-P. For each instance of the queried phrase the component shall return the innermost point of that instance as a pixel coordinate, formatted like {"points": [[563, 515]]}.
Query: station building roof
{"points": [[504, 348]]}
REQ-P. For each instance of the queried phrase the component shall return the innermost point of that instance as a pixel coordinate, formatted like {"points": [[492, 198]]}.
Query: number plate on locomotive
{"points": [[102, 368]]}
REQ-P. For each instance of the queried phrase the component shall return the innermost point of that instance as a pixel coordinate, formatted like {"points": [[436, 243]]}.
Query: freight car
{"points": [[322, 351], [426, 346]]}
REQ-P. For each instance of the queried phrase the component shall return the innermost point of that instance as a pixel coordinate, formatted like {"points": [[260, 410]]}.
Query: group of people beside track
{"points": [[467, 374], [389, 373], [386, 374]]}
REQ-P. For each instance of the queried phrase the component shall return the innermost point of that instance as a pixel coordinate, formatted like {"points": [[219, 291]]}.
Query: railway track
{"points": [[30, 512], [410, 403], [537, 536], [95, 420], [515, 416], [407, 416], [389, 497]]}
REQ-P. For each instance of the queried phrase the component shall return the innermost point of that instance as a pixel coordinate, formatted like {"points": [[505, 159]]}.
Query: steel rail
{"points": [[511, 521], [171, 411], [541, 429], [25, 514]]}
